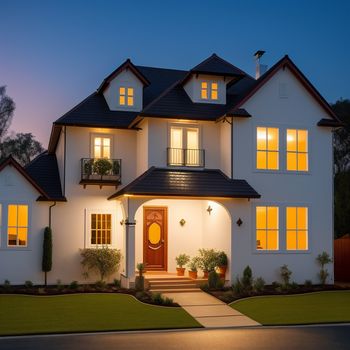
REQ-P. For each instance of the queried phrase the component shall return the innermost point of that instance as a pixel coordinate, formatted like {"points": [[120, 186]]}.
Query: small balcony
{"points": [[100, 171], [186, 157]]}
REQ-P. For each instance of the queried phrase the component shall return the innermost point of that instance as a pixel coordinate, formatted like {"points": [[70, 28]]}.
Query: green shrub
{"points": [[182, 260], [259, 285], [222, 259], [247, 279], [116, 283], [157, 298], [294, 285], [74, 285], [308, 284], [102, 166], [213, 280], [7, 284], [105, 261], [28, 284], [285, 274], [237, 287], [100, 284], [46, 265], [204, 287], [140, 283], [323, 259]]}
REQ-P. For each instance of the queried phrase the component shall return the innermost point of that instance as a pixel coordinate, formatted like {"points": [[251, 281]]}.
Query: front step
{"points": [[172, 284]]}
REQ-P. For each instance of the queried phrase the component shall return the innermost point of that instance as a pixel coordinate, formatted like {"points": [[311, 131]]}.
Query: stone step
{"points": [[167, 278], [173, 286], [161, 282], [186, 290]]}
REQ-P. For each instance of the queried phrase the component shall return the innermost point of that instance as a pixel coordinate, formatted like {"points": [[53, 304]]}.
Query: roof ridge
{"points": [[161, 68]]}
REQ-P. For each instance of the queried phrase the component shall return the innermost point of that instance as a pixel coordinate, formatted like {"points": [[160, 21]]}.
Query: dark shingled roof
{"points": [[330, 122], [215, 65], [187, 183], [44, 171], [94, 112]]}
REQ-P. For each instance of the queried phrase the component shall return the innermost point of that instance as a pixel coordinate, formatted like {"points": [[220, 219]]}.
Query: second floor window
{"points": [[209, 90], [126, 96], [184, 146], [102, 147], [267, 148], [297, 150]]}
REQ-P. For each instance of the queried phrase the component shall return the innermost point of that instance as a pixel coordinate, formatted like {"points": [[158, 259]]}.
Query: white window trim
{"points": [[87, 226], [209, 90], [282, 229], [4, 224], [282, 159], [92, 143]]}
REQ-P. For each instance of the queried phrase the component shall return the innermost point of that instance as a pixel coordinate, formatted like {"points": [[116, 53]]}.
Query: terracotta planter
{"points": [[222, 271], [205, 274], [192, 274], [180, 271]]}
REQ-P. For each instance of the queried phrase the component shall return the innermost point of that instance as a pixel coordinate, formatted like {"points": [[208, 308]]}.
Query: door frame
{"points": [[165, 256]]}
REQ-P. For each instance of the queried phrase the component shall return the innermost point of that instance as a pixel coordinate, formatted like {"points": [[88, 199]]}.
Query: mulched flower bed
{"points": [[144, 296], [227, 295]]}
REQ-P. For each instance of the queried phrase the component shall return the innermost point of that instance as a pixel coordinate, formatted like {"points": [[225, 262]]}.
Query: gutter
{"points": [[50, 207]]}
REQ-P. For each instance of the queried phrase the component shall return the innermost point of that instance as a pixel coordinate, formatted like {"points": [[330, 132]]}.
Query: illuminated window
{"points": [[267, 148], [101, 229], [209, 90], [297, 228], [267, 228], [126, 96], [17, 225], [184, 146], [102, 147], [297, 150], [204, 90]]}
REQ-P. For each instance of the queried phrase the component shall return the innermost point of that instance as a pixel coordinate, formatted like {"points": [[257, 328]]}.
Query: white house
{"points": [[205, 158]]}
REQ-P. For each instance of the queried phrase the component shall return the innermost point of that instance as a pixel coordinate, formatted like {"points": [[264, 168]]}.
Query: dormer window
{"points": [[209, 90], [126, 96]]}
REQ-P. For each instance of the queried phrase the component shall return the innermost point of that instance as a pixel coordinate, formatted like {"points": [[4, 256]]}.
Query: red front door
{"points": [[155, 232]]}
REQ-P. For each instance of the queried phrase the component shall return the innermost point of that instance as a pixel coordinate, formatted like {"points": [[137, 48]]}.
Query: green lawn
{"points": [[319, 307], [22, 314]]}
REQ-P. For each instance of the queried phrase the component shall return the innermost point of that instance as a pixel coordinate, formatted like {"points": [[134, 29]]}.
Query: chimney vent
{"points": [[260, 69]]}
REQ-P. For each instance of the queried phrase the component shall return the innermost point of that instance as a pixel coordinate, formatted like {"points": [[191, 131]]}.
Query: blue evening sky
{"points": [[54, 53]]}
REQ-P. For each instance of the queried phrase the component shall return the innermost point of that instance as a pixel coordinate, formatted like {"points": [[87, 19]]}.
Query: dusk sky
{"points": [[53, 54]]}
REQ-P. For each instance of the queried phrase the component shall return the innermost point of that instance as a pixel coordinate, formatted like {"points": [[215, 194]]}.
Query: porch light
{"points": [[239, 222], [209, 209]]}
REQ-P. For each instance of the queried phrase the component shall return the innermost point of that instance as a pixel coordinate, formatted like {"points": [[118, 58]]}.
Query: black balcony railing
{"points": [[101, 171], [186, 157]]}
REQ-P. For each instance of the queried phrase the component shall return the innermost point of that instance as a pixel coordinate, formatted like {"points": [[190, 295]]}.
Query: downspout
{"points": [[50, 207]]}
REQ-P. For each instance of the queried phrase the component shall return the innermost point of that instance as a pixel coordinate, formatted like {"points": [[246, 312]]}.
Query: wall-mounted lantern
{"points": [[239, 222]]}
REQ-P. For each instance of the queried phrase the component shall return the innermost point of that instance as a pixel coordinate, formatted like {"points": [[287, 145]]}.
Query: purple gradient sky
{"points": [[54, 53]]}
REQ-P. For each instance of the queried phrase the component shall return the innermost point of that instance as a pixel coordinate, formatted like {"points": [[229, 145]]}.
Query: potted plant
{"points": [[222, 263], [207, 260], [102, 166], [192, 268], [181, 260]]}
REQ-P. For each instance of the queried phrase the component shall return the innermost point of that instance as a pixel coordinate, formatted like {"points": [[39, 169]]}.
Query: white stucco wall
{"points": [[313, 189], [126, 78], [225, 148], [142, 148], [19, 264]]}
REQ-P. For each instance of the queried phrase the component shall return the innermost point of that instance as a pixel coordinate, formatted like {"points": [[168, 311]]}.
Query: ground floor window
{"points": [[267, 228], [17, 225], [297, 228], [101, 228]]}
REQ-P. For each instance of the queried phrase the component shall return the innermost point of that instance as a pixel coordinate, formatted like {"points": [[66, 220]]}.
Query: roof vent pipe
{"points": [[260, 69]]}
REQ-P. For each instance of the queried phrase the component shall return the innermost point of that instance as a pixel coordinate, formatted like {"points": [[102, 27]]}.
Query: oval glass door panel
{"points": [[154, 233]]}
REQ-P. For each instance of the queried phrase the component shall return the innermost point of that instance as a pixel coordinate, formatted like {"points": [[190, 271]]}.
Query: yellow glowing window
{"points": [[267, 228], [267, 148], [102, 147], [126, 96], [297, 150], [204, 90], [101, 229], [297, 228], [214, 91], [17, 225]]}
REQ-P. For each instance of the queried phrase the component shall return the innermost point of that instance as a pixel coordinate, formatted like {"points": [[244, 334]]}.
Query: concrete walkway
{"points": [[210, 311]]}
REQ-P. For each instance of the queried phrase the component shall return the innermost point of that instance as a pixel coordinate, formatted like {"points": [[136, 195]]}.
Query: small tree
{"points": [[47, 252], [247, 279], [285, 274], [105, 261], [323, 259]]}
